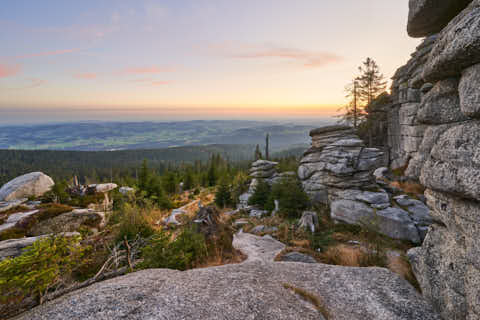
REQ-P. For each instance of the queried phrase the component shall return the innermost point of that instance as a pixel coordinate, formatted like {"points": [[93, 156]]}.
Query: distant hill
{"points": [[102, 136]]}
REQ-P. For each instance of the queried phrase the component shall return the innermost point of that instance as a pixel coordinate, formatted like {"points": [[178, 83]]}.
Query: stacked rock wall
{"points": [[446, 112]]}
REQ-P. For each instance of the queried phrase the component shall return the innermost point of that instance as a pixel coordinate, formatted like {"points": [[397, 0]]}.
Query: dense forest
{"points": [[102, 166]]}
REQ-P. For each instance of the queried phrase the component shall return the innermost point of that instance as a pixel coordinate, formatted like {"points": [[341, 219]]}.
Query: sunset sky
{"points": [[190, 59]]}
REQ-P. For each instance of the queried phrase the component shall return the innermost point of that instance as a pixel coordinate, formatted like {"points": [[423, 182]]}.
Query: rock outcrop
{"points": [[255, 289], [70, 222], [338, 171], [446, 69], [34, 184]]}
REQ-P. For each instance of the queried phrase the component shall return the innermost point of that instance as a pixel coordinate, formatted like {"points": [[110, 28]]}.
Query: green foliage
{"points": [[184, 252], [291, 197], [188, 182], [170, 183], [133, 222], [239, 185], [223, 196], [211, 176], [41, 267], [144, 176], [261, 195]]}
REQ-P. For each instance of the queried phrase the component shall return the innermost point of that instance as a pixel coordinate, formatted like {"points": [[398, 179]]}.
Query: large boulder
{"points": [[255, 289], [396, 223], [34, 184], [427, 17], [351, 212]]}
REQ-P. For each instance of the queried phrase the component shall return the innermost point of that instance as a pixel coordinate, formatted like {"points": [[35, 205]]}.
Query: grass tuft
{"points": [[309, 297]]}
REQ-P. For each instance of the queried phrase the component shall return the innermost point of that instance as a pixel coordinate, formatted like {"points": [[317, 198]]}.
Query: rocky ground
{"points": [[255, 289]]}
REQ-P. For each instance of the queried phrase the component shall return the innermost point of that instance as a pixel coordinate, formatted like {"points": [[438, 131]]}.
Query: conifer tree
{"points": [[144, 176], [258, 153], [371, 83], [223, 196]]}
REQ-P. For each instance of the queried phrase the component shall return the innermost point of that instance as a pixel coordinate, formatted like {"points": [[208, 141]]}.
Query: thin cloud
{"points": [[86, 75], [309, 59], [146, 70], [46, 53], [160, 83], [149, 81], [9, 70], [30, 83]]}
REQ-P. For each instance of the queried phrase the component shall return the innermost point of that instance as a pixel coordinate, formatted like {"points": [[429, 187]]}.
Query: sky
{"points": [[190, 59]]}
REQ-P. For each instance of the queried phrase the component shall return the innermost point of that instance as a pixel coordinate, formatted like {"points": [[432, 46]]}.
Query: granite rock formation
{"points": [[446, 69], [338, 171]]}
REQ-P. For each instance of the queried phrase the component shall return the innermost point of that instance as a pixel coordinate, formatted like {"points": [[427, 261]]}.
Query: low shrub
{"points": [[41, 267], [133, 222], [188, 248], [291, 197], [51, 210], [12, 233], [261, 195]]}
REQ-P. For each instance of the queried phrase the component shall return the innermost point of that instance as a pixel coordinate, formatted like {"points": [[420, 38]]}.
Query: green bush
{"points": [[42, 266], [133, 223], [184, 252], [291, 197], [261, 195]]}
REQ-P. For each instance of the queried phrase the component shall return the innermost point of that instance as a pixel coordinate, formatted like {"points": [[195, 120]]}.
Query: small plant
{"points": [[42, 266]]}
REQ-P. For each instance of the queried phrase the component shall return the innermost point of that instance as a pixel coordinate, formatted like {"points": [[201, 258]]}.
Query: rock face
{"points": [[447, 160], [32, 184], [405, 131], [255, 289]]}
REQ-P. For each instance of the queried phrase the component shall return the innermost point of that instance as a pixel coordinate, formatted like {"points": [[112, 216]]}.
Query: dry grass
{"points": [[304, 243], [311, 298], [14, 210], [345, 255], [409, 187], [402, 267]]}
